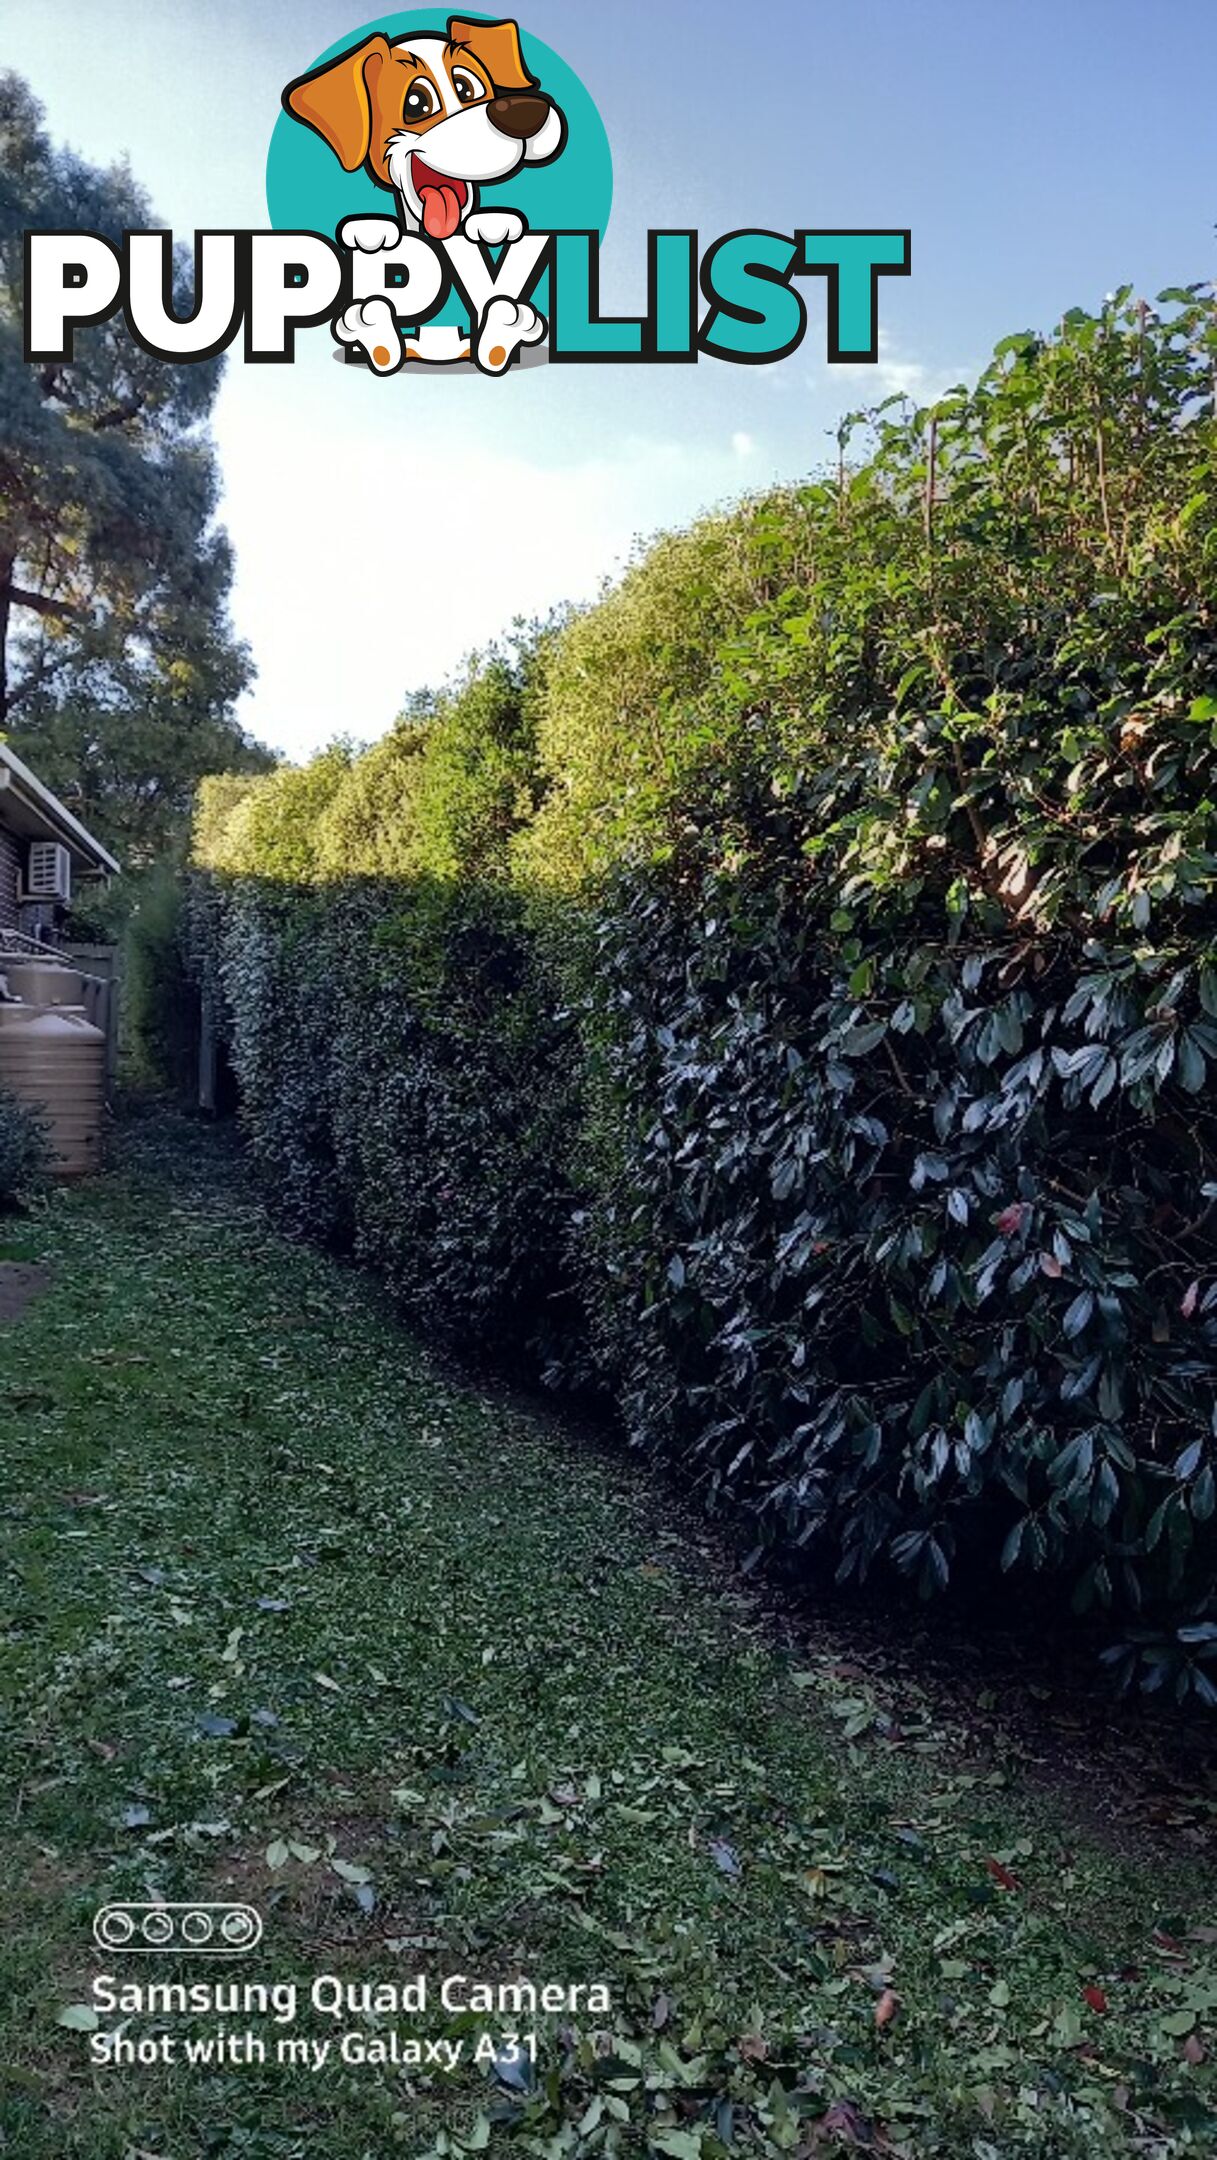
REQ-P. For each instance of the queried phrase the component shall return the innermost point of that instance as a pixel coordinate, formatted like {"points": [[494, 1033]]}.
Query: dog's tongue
{"points": [[442, 199], [441, 211]]}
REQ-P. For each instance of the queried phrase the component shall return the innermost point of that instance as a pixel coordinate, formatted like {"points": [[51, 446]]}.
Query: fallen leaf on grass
{"points": [[846, 2123], [78, 2017], [1002, 1875], [725, 1857], [267, 1792], [886, 2008], [351, 1871], [1178, 2023], [678, 2144], [513, 2069]]}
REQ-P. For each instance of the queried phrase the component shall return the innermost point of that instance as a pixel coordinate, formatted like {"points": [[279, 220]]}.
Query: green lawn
{"points": [[294, 1616]]}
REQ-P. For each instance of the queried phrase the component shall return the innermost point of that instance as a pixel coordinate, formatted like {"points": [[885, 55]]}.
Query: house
{"points": [[45, 854], [46, 857]]}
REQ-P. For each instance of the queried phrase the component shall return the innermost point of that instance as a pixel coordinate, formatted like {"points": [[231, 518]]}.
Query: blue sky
{"points": [[1042, 153]]}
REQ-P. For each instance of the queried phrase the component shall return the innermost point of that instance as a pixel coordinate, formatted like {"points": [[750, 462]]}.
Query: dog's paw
{"points": [[506, 325], [369, 233], [496, 228], [373, 325]]}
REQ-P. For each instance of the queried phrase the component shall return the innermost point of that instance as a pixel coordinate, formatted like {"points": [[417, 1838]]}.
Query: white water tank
{"points": [[52, 1059]]}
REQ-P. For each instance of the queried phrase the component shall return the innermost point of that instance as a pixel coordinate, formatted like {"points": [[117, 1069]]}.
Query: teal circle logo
{"points": [[308, 190]]}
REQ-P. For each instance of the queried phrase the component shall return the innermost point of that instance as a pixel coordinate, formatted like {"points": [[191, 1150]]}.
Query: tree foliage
{"points": [[118, 666]]}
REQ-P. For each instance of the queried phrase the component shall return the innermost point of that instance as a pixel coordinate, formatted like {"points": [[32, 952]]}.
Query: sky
{"points": [[1042, 153]]}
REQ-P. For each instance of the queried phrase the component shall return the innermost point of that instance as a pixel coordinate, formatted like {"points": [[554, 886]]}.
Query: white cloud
{"points": [[897, 373], [743, 444], [372, 558]]}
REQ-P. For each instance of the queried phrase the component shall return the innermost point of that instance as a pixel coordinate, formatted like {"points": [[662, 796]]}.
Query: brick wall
{"points": [[10, 873]]}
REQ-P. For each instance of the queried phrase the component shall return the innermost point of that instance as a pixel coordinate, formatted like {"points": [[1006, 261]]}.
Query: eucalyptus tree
{"points": [[119, 669]]}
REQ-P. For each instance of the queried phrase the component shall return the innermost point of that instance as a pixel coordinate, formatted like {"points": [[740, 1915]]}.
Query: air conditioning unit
{"points": [[48, 872]]}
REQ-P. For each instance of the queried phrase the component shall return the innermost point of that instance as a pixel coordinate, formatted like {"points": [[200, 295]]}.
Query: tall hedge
{"points": [[782, 997]]}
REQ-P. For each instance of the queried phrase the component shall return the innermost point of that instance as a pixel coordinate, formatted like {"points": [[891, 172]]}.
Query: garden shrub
{"points": [[25, 1154], [783, 996], [160, 1033]]}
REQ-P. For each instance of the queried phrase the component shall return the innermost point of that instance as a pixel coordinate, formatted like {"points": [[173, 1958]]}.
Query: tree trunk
{"points": [[6, 604]]}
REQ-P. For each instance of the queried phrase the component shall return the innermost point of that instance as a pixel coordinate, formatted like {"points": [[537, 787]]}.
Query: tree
{"points": [[119, 669]]}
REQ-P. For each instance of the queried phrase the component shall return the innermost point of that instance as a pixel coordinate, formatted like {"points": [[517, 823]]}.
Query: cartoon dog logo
{"points": [[430, 119]]}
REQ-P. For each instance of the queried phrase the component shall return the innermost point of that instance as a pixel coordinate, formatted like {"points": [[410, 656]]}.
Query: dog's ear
{"points": [[497, 46], [336, 100]]}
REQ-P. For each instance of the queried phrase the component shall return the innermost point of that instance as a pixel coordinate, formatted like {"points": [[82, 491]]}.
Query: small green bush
{"points": [[25, 1155], [784, 997]]}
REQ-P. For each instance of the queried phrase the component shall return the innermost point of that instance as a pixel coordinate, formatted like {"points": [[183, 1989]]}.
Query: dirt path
{"points": [[19, 1284]]}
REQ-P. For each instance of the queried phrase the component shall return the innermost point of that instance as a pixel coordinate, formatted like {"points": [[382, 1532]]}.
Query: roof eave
{"points": [[75, 836]]}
